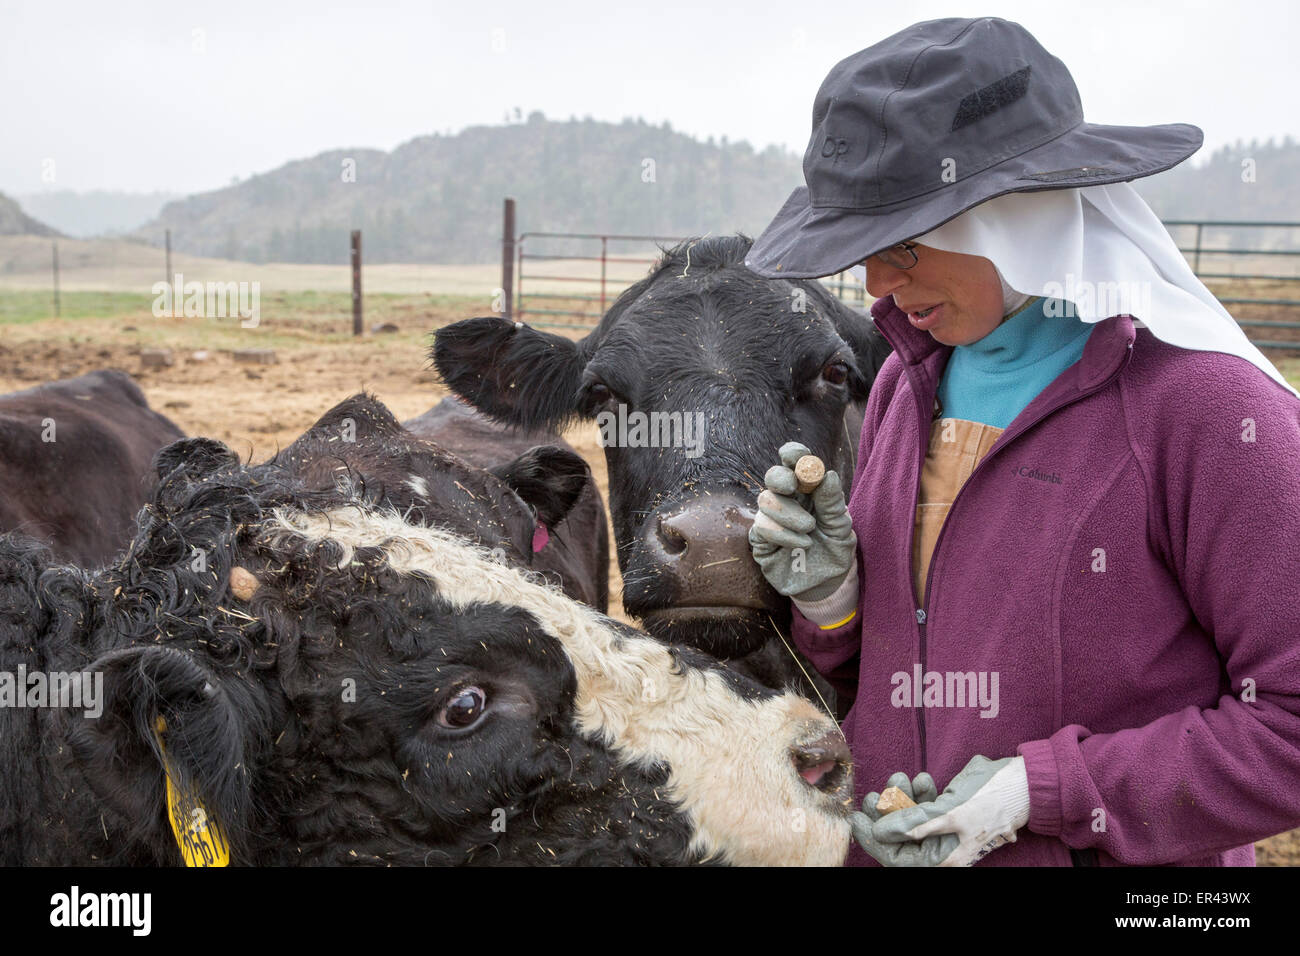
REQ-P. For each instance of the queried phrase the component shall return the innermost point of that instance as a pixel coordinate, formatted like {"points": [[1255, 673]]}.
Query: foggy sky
{"points": [[182, 96]]}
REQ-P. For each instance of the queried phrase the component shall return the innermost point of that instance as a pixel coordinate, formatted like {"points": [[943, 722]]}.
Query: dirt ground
{"points": [[256, 408]]}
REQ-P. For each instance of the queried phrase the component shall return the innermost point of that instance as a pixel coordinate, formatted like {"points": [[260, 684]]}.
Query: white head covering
{"points": [[1103, 249]]}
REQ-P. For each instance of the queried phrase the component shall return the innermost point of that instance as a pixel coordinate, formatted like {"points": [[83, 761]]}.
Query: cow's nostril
{"points": [[823, 763], [672, 539]]}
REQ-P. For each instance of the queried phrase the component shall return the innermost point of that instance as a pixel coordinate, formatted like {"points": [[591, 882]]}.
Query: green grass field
{"points": [[19, 306], [288, 318], [22, 306]]}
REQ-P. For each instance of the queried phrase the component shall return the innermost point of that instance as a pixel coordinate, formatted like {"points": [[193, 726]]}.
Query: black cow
{"points": [[574, 552], [730, 365], [75, 460], [359, 444], [326, 681]]}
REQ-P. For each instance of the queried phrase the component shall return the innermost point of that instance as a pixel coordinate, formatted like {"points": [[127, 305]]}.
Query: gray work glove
{"points": [[928, 852], [804, 544], [981, 810]]}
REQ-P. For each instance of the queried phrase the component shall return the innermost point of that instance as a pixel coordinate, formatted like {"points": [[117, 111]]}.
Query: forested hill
{"points": [[15, 222], [438, 198]]}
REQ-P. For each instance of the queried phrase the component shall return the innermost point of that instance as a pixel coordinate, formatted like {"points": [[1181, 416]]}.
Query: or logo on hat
{"points": [[833, 148]]}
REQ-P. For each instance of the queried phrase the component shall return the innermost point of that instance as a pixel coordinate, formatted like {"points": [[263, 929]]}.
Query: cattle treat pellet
{"points": [[891, 799], [243, 584], [808, 474]]}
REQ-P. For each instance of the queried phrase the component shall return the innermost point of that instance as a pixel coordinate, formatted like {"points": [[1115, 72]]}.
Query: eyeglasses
{"points": [[901, 256]]}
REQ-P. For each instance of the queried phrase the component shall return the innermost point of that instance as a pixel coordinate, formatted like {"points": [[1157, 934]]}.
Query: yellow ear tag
{"points": [[198, 834]]}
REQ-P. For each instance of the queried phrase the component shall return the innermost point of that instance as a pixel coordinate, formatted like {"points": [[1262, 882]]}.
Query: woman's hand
{"points": [[927, 852], [804, 544], [979, 811]]}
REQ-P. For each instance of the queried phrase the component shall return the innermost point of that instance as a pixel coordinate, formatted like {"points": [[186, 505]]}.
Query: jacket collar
{"points": [[1106, 349]]}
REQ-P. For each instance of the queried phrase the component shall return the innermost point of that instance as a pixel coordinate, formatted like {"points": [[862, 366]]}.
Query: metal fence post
{"points": [[604, 245], [1196, 262], [168, 246]]}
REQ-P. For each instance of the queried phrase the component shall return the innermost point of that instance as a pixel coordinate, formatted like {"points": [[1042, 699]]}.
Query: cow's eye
{"points": [[465, 709], [837, 373], [597, 395]]}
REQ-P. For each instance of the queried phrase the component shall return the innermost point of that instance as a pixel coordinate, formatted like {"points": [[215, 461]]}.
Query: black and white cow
{"points": [[705, 351], [335, 681], [75, 459]]}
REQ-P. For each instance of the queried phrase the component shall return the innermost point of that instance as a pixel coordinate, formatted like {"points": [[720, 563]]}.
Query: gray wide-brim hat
{"points": [[932, 121]]}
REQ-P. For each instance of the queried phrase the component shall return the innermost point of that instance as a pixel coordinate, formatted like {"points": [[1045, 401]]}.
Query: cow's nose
{"points": [[722, 532], [702, 547], [824, 762]]}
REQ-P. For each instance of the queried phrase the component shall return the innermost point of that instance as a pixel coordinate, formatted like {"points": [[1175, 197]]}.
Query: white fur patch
{"points": [[417, 484], [730, 758]]}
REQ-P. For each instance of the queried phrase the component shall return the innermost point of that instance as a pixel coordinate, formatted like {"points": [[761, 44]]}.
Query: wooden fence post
{"points": [[357, 327], [56, 278], [508, 257]]}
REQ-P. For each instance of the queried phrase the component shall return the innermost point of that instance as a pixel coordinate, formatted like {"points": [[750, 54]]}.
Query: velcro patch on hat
{"points": [[991, 98], [1079, 172]]}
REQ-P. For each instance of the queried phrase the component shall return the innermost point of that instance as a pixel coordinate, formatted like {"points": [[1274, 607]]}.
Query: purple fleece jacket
{"points": [[1126, 560]]}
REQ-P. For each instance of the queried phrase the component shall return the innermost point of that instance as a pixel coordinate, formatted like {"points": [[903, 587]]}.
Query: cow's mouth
{"points": [[724, 631], [704, 612]]}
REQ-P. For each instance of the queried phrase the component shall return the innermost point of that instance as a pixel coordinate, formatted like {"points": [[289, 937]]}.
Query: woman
{"points": [[1063, 587]]}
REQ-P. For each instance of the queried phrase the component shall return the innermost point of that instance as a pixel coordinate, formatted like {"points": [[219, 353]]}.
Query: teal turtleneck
{"points": [[993, 379]]}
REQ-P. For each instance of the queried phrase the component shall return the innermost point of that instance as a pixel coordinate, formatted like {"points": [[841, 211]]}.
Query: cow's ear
{"points": [[549, 478], [363, 414], [509, 371], [159, 714], [195, 457]]}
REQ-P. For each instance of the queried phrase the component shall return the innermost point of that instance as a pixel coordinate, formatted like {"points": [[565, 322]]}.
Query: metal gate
{"points": [[1265, 285], [608, 263]]}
